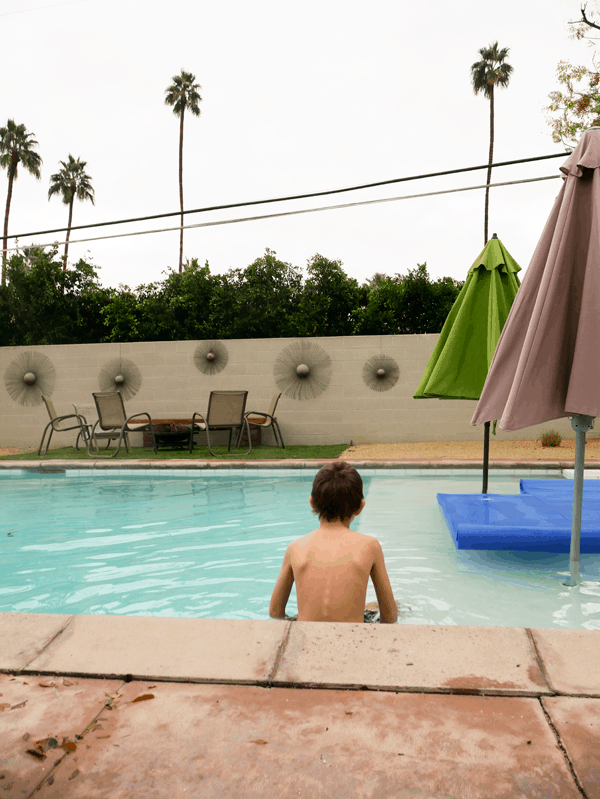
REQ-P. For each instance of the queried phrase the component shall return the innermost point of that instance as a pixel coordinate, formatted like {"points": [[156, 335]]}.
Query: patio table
{"points": [[167, 437]]}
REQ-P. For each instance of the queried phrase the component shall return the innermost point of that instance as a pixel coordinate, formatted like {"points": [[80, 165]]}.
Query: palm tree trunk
{"points": [[489, 172], [68, 233], [181, 189], [11, 177]]}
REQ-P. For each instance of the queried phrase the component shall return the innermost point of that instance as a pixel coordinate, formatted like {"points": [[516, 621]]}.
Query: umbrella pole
{"points": [[581, 424], [486, 456]]}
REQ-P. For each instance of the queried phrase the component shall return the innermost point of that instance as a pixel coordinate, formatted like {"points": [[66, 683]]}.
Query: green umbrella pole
{"points": [[486, 456]]}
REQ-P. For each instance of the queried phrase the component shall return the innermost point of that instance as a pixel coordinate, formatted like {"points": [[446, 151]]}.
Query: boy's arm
{"points": [[388, 611], [283, 587]]}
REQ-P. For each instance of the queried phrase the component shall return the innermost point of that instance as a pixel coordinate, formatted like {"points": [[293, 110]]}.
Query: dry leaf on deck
{"points": [[50, 684], [36, 753], [3, 706], [26, 737], [259, 741], [74, 774], [143, 697], [69, 682], [21, 704]]}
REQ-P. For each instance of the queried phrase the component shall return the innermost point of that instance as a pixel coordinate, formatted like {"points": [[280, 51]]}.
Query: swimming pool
{"points": [[211, 545]]}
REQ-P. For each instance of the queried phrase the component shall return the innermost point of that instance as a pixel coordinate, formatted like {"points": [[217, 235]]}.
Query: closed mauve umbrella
{"points": [[547, 363], [462, 356]]}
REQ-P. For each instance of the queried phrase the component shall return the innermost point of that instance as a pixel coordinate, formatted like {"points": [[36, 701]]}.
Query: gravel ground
{"points": [[470, 450]]}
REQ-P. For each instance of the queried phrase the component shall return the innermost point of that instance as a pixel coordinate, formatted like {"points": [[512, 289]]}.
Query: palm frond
{"points": [[183, 94], [71, 180], [492, 70], [18, 146]]}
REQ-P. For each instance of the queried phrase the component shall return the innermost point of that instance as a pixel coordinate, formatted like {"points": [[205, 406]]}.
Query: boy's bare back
{"points": [[331, 569]]}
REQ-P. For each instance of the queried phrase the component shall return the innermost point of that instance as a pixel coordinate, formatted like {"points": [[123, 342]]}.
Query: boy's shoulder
{"points": [[305, 540]]}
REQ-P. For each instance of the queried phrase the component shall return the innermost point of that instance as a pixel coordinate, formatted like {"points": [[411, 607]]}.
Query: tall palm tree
{"points": [[492, 70], [183, 94], [71, 181], [17, 146]]}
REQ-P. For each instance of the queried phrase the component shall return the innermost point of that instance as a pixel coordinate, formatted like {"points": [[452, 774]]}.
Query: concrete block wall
{"points": [[173, 386]]}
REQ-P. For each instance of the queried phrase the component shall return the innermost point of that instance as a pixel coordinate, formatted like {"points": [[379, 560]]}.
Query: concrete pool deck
{"points": [[128, 706], [154, 707]]}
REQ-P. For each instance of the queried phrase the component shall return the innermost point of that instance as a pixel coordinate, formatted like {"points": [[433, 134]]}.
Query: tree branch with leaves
{"points": [[575, 105]]}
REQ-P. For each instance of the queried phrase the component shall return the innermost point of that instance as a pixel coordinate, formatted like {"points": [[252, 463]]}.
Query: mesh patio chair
{"points": [[57, 424], [225, 412], [88, 412], [266, 420], [113, 423]]}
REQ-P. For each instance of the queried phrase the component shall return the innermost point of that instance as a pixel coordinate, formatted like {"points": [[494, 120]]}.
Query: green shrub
{"points": [[551, 438]]}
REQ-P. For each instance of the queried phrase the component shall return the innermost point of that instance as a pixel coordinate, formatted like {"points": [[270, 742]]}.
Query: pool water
{"points": [[211, 546]]}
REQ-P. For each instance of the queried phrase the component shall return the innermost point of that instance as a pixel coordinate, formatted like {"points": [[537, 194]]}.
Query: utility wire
{"points": [[294, 213], [289, 197]]}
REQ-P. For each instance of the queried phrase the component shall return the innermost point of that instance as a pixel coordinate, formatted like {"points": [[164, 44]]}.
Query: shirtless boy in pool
{"points": [[332, 565]]}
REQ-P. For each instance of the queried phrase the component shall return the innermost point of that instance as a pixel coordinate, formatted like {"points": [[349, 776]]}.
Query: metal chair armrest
{"points": [[200, 416], [135, 416], [80, 419], [258, 413]]}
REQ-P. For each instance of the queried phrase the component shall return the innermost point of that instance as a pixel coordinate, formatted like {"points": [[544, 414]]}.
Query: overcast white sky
{"points": [[296, 98]]}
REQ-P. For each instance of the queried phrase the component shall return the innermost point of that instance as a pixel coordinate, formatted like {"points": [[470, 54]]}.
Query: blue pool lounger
{"points": [[521, 522], [544, 488]]}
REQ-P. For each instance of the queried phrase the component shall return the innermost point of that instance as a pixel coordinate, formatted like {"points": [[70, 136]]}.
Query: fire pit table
{"points": [[175, 433]]}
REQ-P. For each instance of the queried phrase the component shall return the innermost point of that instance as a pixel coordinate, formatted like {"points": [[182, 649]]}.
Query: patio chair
{"points": [[266, 420], [88, 412], [225, 412], [113, 423], [56, 424]]}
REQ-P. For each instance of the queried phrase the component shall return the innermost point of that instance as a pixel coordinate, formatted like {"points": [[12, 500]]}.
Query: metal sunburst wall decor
{"points": [[28, 376], [211, 357], [381, 373], [122, 375], [303, 370]]}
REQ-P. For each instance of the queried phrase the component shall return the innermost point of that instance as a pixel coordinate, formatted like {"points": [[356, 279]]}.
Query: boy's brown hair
{"points": [[337, 491]]}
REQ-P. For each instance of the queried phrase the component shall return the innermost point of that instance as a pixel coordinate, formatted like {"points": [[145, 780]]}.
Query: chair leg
{"points": [[45, 452], [278, 429], [43, 437], [230, 434], [208, 442]]}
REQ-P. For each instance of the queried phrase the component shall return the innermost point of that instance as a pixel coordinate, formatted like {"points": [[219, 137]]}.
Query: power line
{"points": [[289, 197], [294, 213]]}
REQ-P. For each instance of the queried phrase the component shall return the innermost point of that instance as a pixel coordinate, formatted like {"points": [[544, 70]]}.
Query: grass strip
{"points": [[199, 453]]}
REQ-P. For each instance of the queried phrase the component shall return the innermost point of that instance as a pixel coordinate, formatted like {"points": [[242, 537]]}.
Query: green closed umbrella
{"points": [[462, 356]]}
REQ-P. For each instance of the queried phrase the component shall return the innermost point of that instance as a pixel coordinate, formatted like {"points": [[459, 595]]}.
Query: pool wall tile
{"points": [[430, 658], [24, 635], [147, 647]]}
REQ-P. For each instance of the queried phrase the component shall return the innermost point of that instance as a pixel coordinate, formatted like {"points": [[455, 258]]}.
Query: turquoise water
{"points": [[211, 546]]}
